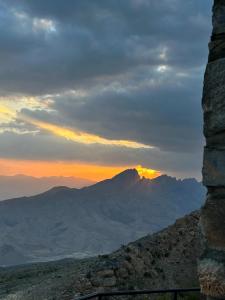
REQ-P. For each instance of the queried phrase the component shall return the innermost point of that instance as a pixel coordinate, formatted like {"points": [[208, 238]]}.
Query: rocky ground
{"points": [[167, 259]]}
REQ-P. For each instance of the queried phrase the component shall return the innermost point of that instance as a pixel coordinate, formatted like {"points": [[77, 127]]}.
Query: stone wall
{"points": [[212, 264]]}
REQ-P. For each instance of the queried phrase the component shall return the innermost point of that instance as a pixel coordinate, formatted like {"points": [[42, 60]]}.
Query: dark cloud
{"points": [[165, 115], [94, 38]]}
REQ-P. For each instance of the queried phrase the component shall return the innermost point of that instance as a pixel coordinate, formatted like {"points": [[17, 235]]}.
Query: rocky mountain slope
{"points": [[66, 222], [165, 259]]}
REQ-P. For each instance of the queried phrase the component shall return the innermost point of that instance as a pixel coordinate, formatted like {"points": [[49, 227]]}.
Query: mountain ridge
{"points": [[130, 176], [65, 222]]}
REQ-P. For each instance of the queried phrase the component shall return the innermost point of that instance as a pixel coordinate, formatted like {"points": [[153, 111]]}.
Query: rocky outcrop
{"points": [[212, 265], [163, 260]]}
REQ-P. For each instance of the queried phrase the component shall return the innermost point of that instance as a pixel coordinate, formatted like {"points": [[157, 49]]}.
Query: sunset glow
{"points": [[92, 172], [147, 173], [6, 114], [63, 168], [83, 137], [70, 134]]}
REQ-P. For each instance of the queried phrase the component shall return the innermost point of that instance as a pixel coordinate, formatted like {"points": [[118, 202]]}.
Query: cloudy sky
{"points": [[90, 87]]}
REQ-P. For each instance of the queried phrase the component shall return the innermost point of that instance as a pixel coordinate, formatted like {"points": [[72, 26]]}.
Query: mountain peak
{"points": [[127, 176]]}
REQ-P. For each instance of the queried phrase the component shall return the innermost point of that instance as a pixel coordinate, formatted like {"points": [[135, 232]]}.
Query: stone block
{"points": [[214, 168], [218, 19], [217, 47], [216, 141], [213, 98], [212, 278], [213, 221]]}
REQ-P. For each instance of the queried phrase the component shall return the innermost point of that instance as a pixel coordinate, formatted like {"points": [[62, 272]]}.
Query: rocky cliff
{"points": [[163, 260], [212, 266]]}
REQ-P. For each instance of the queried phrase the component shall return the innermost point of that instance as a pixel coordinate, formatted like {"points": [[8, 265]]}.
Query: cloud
{"points": [[165, 114], [48, 47], [111, 70], [9, 115]]}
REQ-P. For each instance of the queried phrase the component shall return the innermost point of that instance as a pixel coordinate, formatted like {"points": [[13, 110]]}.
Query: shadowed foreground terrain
{"points": [[163, 260]]}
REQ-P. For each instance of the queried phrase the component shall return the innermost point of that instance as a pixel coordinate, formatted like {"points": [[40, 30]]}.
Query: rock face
{"points": [[163, 260], [212, 264]]}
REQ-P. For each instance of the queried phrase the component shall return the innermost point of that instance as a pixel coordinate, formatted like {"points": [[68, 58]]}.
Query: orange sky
{"points": [[62, 168], [65, 168]]}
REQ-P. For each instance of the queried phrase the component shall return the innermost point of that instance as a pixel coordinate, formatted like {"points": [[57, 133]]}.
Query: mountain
{"points": [[65, 222], [21, 185], [167, 259]]}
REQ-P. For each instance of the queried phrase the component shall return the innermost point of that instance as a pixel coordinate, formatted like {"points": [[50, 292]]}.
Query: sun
{"points": [[147, 173]]}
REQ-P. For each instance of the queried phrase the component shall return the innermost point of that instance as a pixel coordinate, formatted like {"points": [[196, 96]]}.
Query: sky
{"points": [[91, 87]]}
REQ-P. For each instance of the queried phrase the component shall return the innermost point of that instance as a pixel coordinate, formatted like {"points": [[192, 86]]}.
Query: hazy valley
{"points": [[21, 185]]}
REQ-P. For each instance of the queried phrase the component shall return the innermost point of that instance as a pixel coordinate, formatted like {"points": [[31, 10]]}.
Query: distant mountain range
{"points": [[69, 222], [21, 185]]}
